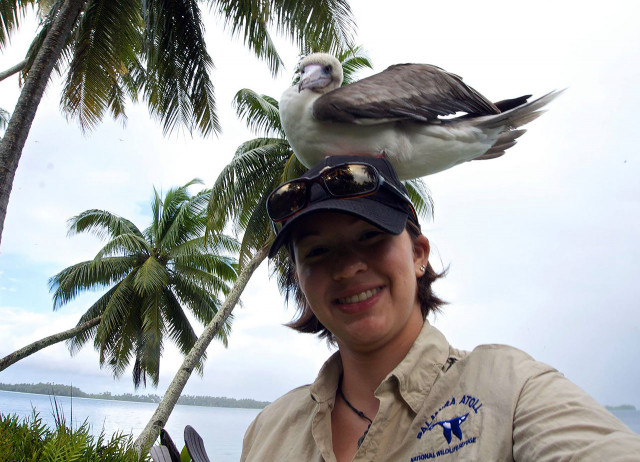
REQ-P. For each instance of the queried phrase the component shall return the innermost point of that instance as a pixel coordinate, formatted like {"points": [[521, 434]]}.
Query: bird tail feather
{"points": [[518, 116], [506, 140]]}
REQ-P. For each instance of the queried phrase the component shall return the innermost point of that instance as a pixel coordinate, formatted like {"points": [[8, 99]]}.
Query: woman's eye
{"points": [[315, 252], [371, 234]]}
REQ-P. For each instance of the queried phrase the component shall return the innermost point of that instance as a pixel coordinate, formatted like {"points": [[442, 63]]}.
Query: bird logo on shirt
{"points": [[451, 426]]}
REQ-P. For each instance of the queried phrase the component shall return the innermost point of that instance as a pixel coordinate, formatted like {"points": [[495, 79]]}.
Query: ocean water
{"points": [[222, 429]]}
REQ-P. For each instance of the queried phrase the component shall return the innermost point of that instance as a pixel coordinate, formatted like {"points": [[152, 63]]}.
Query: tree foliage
{"points": [[155, 50], [150, 277]]}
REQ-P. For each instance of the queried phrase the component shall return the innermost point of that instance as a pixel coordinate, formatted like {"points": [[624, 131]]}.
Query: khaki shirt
{"points": [[492, 404]]}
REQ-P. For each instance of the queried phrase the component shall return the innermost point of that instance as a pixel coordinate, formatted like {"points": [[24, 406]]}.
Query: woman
{"points": [[396, 390]]}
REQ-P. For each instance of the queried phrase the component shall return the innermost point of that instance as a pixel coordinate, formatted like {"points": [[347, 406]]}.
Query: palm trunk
{"points": [[45, 342], [19, 125], [162, 413], [13, 70]]}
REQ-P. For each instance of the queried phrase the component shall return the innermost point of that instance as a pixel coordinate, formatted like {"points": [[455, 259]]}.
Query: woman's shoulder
{"points": [[493, 358], [296, 401]]}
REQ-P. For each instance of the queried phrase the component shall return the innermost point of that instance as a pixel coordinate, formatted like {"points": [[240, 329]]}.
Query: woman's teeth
{"points": [[359, 297]]}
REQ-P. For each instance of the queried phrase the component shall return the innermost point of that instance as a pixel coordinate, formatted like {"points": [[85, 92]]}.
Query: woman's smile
{"points": [[360, 297], [359, 281]]}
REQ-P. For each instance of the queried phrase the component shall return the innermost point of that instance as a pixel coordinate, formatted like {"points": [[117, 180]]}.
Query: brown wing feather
{"points": [[404, 91]]}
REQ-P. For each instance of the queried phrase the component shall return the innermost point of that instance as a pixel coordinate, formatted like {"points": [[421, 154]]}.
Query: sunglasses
{"points": [[345, 181]]}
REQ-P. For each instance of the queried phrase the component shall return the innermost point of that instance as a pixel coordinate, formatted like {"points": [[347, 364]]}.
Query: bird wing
{"points": [[403, 91]]}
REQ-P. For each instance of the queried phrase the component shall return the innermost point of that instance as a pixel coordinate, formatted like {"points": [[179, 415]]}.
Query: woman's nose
{"points": [[347, 263]]}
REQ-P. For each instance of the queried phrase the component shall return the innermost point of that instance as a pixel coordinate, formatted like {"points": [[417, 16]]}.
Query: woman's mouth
{"points": [[364, 295]]}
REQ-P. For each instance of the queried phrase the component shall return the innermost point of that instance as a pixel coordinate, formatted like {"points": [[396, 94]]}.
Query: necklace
{"points": [[358, 412]]}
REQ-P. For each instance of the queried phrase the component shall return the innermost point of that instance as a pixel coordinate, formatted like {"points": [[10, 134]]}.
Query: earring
{"points": [[422, 268]]}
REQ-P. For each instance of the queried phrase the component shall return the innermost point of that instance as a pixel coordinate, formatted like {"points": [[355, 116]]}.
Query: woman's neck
{"points": [[364, 371]]}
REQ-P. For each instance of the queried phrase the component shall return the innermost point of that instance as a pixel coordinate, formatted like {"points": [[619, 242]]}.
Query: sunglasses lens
{"points": [[287, 200], [350, 180]]}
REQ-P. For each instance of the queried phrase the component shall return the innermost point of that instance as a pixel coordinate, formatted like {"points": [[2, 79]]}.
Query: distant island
{"points": [[622, 407], [189, 400]]}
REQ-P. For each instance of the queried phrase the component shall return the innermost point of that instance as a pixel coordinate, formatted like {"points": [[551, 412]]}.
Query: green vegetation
{"points": [[53, 389], [30, 439], [152, 278], [622, 407]]}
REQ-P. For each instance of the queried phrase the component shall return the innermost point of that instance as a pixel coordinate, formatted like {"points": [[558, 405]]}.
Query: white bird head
{"points": [[320, 72]]}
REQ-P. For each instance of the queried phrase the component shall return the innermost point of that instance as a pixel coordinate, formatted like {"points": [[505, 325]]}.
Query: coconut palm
{"points": [[238, 198], [153, 277], [115, 50]]}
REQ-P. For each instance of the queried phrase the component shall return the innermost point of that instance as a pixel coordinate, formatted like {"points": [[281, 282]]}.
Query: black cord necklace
{"points": [[358, 412]]}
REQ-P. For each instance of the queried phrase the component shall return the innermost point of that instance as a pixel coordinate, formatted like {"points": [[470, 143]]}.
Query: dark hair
{"points": [[305, 321]]}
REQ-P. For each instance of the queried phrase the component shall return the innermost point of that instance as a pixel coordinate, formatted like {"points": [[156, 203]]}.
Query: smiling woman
{"points": [[395, 389]]}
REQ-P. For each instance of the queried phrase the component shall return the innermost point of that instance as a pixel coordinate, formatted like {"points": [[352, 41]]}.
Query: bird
{"points": [[451, 426], [422, 118]]}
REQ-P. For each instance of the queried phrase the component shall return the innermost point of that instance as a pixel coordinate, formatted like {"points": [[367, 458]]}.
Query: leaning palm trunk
{"points": [[162, 413], [45, 342], [13, 70], [19, 125]]}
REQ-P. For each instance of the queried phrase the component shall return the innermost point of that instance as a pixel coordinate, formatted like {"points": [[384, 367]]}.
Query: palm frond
{"points": [[214, 283], [215, 244], [4, 119], [125, 244], [179, 89], [101, 223], [258, 231], [255, 168], [97, 309], [119, 345], [106, 45], [11, 13], [120, 304], [88, 275], [251, 23], [353, 61], [317, 24], [150, 278], [179, 328], [420, 197], [202, 303], [187, 220], [152, 328], [260, 112]]}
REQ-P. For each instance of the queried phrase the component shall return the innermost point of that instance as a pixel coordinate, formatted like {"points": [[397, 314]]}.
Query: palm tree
{"points": [[151, 277], [114, 50], [238, 198]]}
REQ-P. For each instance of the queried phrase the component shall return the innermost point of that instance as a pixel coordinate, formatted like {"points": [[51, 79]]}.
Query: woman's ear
{"points": [[421, 250]]}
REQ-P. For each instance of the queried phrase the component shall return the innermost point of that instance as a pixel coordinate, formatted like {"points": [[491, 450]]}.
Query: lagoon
{"points": [[222, 429]]}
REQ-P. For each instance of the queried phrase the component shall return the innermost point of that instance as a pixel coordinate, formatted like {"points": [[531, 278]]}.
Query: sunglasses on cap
{"points": [[345, 181]]}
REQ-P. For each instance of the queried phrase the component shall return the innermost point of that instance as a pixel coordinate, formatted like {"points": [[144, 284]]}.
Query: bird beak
{"points": [[314, 77]]}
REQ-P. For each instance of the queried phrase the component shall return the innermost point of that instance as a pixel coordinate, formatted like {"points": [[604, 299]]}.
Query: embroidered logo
{"points": [[450, 417], [451, 426]]}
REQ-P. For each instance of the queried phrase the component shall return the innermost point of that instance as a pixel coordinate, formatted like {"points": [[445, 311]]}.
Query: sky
{"points": [[541, 245]]}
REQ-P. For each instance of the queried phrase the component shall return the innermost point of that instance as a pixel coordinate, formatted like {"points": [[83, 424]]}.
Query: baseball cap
{"points": [[388, 207]]}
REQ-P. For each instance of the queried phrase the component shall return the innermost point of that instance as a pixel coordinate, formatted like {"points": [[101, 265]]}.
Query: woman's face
{"points": [[359, 281]]}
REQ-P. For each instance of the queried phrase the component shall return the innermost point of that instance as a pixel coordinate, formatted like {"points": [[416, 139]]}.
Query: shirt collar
{"points": [[415, 374], [418, 371], [325, 386]]}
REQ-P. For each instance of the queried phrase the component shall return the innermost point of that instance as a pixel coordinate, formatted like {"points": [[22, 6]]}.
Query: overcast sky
{"points": [[542, 245]]}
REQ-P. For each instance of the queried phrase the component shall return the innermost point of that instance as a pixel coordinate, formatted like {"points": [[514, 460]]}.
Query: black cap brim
{"points": [[384, 216]]}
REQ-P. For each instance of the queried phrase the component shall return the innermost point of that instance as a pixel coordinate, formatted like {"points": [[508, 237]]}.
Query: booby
{"points": [[408, 113]]}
